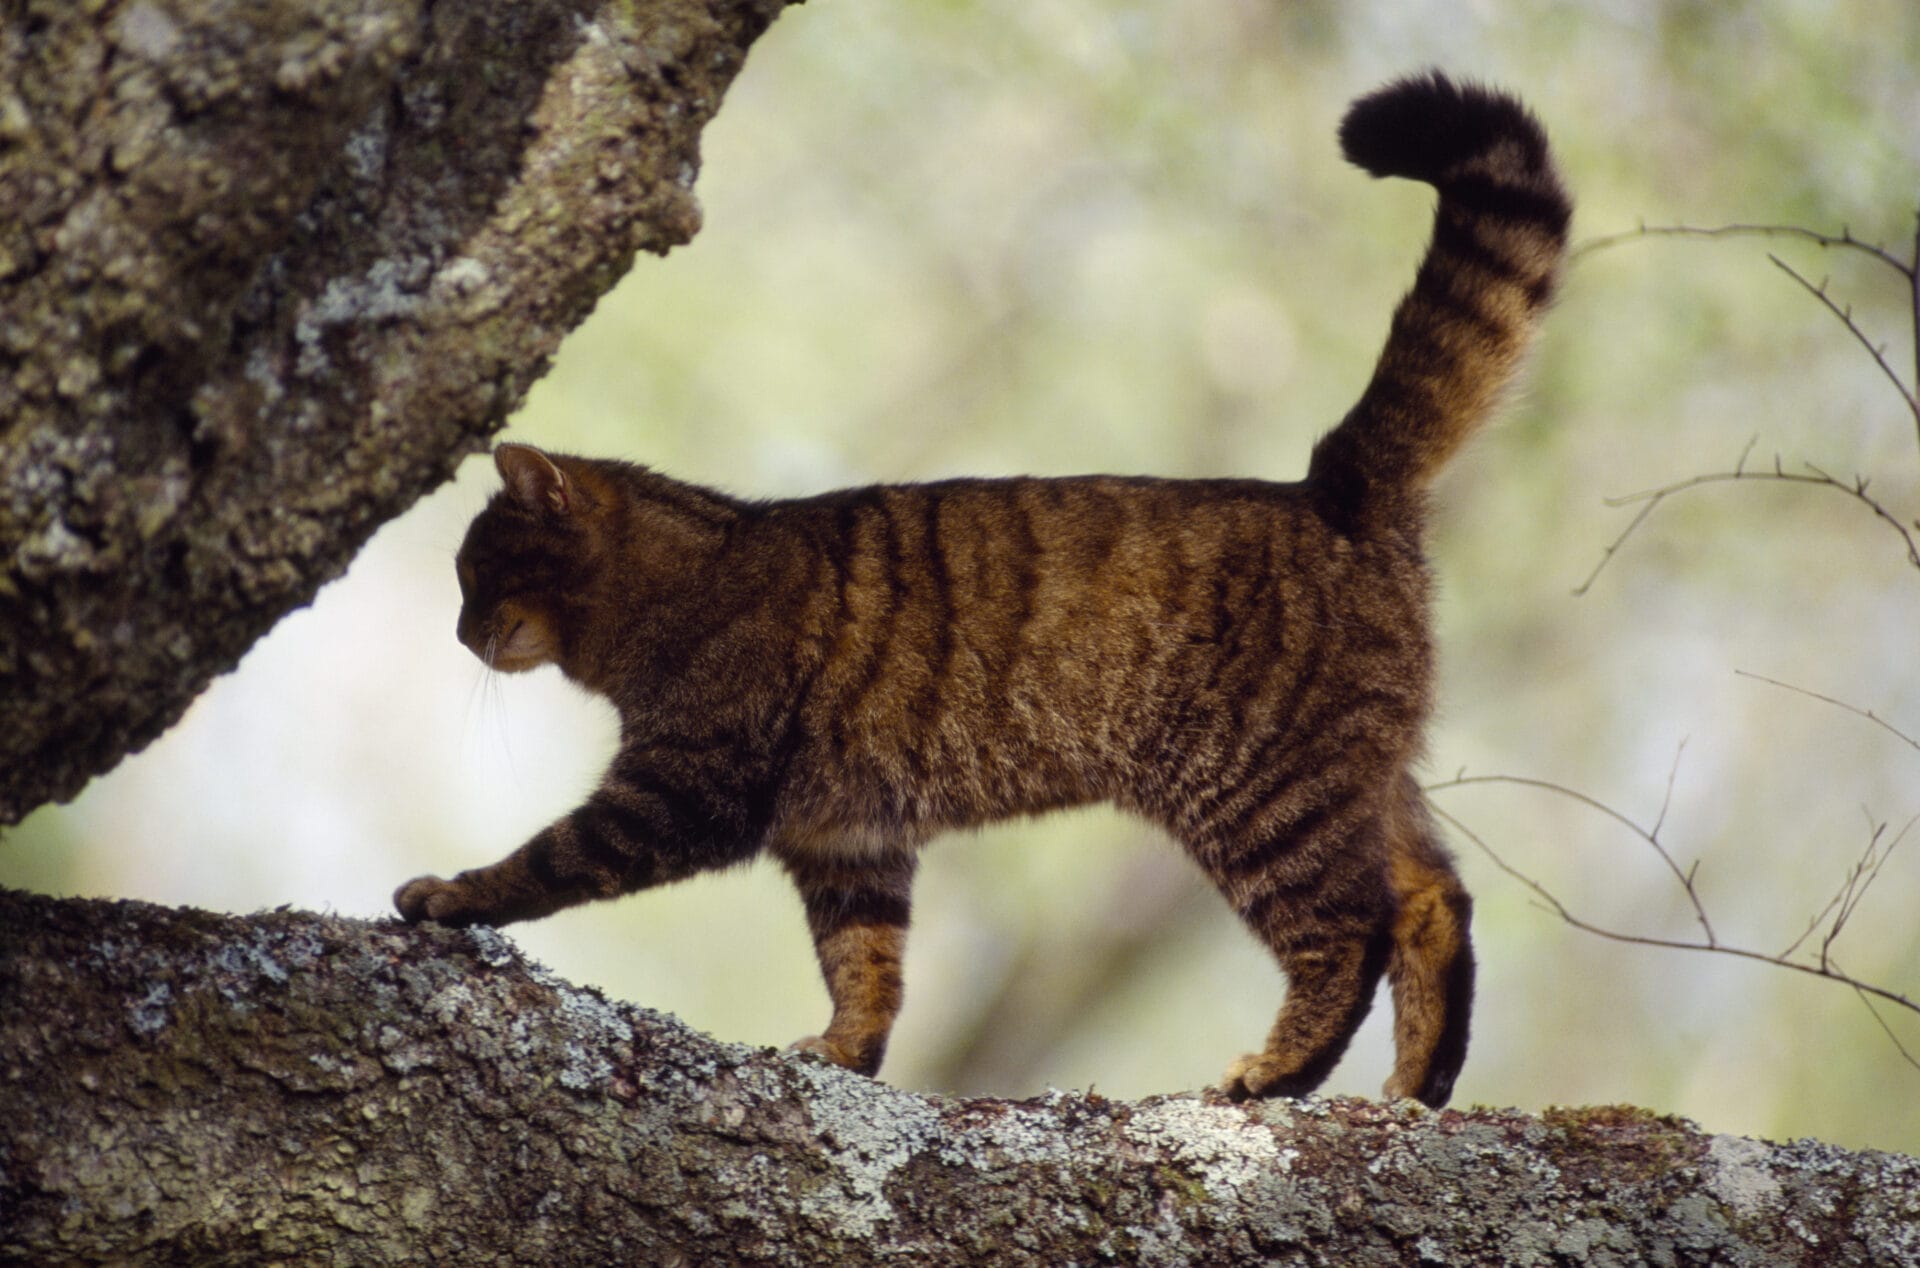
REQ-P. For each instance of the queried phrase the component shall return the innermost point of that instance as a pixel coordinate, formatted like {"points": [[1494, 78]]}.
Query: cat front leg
{"points": [[540, 878], [857, 912], [635, 832]]}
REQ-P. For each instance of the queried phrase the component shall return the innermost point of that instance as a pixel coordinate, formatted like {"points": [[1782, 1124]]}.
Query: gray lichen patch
{"points": [[387, 290], [1738, 1174], [867, 1134], [150, 1013], [147, 31], [1215, 1143]]}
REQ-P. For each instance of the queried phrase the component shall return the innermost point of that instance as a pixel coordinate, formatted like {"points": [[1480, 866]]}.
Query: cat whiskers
{"points": [[490, 713]]}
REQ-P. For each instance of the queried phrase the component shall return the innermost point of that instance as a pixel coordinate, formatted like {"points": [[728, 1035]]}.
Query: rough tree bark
{"points": [[177, 1086], [268, 270]]}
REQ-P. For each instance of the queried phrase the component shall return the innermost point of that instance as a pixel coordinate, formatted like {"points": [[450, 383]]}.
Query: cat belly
{"points": [[873, 802]]}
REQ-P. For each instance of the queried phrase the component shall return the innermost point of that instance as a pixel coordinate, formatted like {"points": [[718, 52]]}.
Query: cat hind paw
{"points": [[1259, 1075], [1432, 1090], [838, 1054]]}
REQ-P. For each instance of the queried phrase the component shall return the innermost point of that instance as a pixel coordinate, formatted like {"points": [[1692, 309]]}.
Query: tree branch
{"points": [[1844, 240], [1909, 270], [1651, 836], [1858, 712], [1650, 500], [181, 1086], [1843, 313], [269, 270], [1840, 908]]}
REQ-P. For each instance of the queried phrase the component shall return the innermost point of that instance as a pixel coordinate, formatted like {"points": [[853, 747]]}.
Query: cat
{"points": [[833, 680]]}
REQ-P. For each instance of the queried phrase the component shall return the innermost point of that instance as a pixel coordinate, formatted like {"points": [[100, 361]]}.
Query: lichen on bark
{"points": [[268, 271], [183, 1086]]}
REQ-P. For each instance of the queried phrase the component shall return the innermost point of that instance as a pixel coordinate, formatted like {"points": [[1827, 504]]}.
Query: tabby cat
{"points": [[833, 680]]}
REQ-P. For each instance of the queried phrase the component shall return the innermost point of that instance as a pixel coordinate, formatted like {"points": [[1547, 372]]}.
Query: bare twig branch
{"points": [[1834, 917], [1842, 904], [1854, 709], [1650, 500], [1824, 966], [1913, 297], [1909, 270], [1819, 919], [1845, 315], [1852, 888], [1666, 800], [1650, 835], [1844, 241], [1888, 1030]]}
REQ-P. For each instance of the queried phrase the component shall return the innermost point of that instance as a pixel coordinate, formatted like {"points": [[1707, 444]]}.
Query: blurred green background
{"points": [[1055, 236]]}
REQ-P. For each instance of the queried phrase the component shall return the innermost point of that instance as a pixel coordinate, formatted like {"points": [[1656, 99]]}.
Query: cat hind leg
{"points": [[1314, 892], [1330, 986], [1431, 968]]}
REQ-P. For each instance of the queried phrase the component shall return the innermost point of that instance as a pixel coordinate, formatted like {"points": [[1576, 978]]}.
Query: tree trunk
{"points": [[177, 1086], [268, 270]]}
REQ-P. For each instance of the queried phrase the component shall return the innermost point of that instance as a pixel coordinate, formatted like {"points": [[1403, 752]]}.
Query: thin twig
{"points": [[1852, 889], [1840, 909], [1844, 241], [1666, 798], [1819, 919], [1898, 1046], [1845, 315], [1913, 300], [1650, 500], [1868, 868], [1824, 968], [1854, 709], [1909, 396], [1685, 877]]}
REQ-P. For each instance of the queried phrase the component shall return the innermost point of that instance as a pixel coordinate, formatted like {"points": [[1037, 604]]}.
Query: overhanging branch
{"points": [[268, 270]]}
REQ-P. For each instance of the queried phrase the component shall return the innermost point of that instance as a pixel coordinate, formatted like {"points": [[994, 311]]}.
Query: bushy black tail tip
{"points": [[1425, 125]]}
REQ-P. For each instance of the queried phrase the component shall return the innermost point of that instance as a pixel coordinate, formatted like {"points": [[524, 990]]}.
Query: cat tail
{"points": [[1499, 236]]}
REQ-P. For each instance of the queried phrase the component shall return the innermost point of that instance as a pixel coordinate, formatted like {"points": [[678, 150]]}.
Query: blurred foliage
{"points": [[1061, 235]]}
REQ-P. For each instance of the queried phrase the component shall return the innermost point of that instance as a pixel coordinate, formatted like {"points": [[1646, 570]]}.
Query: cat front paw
{"points": [[443, 902]]}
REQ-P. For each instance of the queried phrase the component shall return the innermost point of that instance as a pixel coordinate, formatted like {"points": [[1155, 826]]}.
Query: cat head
{"points": [[529, 558], [574, 555]]}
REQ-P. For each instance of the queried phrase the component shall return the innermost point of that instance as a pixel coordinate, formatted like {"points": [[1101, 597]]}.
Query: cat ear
{"points": [[533, 480]]}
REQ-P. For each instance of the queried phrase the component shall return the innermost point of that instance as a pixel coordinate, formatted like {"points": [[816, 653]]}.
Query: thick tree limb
{"points": [[268, 270], [179, 1086]]}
